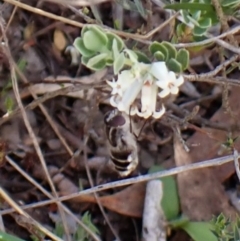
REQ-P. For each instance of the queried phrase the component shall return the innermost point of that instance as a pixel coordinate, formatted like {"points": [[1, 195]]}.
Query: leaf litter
{"points": [[41, 42]]}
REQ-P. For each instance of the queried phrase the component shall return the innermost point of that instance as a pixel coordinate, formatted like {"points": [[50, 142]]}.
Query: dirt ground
{"points": [[52, 138]]}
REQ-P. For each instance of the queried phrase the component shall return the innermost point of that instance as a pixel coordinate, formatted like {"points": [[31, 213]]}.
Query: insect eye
{"points": [[116, 121]]}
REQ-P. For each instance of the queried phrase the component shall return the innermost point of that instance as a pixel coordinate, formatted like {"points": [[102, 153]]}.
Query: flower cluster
{"points": [[144, 80]]}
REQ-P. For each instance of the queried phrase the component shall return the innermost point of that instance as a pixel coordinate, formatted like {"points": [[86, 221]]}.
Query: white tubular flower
{"points": [[148, 101], [125, 79], [166, 80], [130, 95], [144, 79]]}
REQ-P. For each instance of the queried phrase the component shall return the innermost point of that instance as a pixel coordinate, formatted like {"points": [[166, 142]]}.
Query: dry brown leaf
{"points": [[127, 202], [59, 40], [201, 192], [208, 148]]}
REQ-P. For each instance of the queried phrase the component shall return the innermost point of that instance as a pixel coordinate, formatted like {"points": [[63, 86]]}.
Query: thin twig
{"points": [[236, 163], [96, 194], [53, 200], [18, 209], [13, 68], [174, 171], [202, 77], [137, 37]]}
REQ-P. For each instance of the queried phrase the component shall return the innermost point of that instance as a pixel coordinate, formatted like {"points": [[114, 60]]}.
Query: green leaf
{"points": [[228, 3], [78, 44], [183, 58], [198, 31], [132, 55], [115, 50], [174, 65], [236, 232], [191, 6], [8, 237], [200, 231], [142, 57], [178, 222], [185, 15], [180, 29], [205, 22], [85, 60], [170, 200], [156, 47], [128, 5], [196, 14], [94, 39], [193, 21], [9, 103], [159, 56], [140, 8], [172, 52], [111, 37], [118, 63], [97, 62]]}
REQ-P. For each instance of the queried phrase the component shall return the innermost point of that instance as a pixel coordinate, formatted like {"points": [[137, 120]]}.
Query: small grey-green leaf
{"points": [[142, 57], [101, 64], [196, 14], [198, 31], [78, 44], [172, 52], [94, 39], [157, 47], [111, 37], [183, 58], [115, 50], [185, 15], [205, 22], [118, 63], [84, 60], [159, 56], [96, 61], [174, 66], [140, 8], [132, 55], [180, 29]]}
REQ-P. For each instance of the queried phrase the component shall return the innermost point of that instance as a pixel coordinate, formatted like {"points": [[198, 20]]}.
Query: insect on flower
{"points": [[121, 141]]}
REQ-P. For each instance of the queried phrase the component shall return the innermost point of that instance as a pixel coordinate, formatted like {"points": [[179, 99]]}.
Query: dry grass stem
{"points": [[52, 199], [95, 193], [19, 210], [174, 171], [236, 163]]}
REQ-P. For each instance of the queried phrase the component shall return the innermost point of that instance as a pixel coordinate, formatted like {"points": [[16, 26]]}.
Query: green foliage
{"points": [[9, 104], [135, 6], [170, 200], [9, 101], [200, 15], [226, 230], [80, 234], [176, 61], [198, 231], [8, 237], [99, 48]]}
